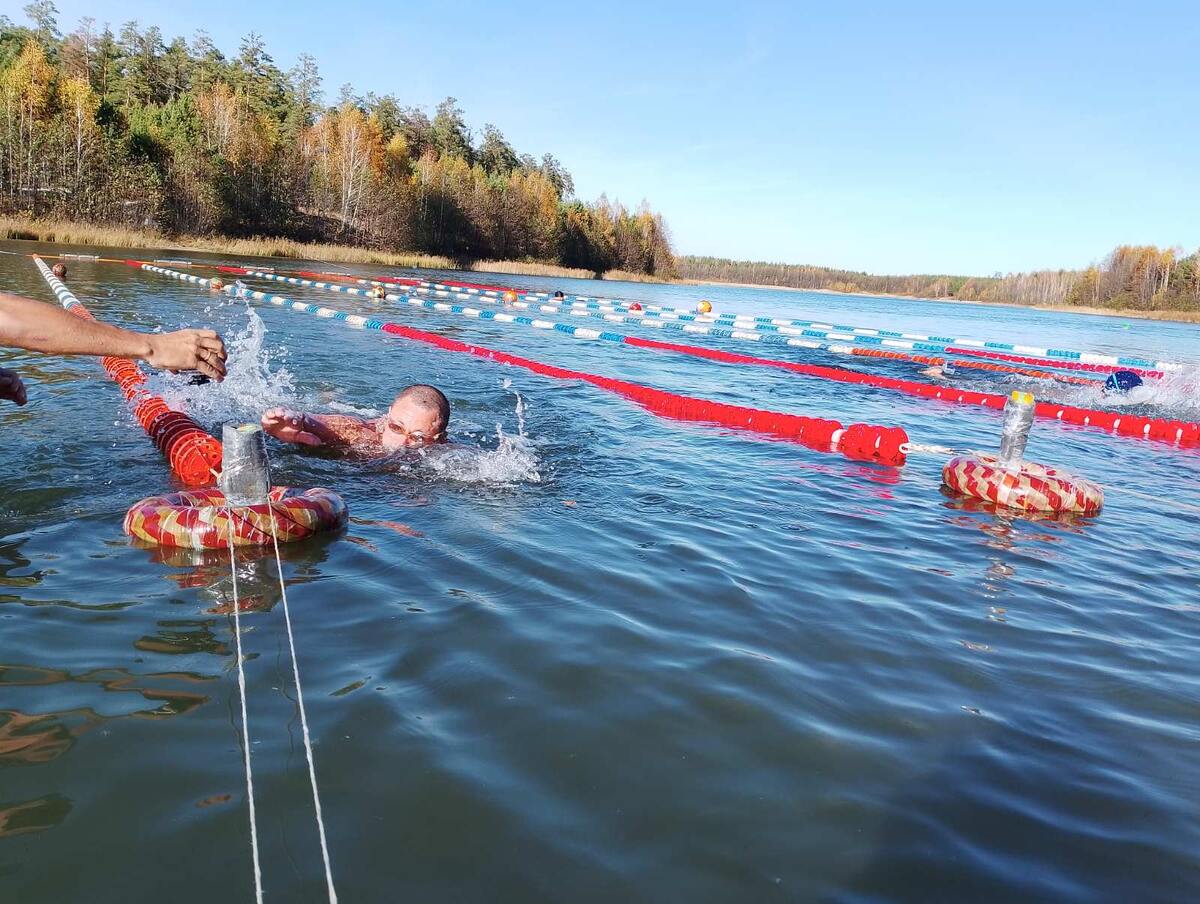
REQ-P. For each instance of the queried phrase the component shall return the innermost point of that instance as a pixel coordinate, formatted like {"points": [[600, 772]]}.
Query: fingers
{"points": [[211, 364], [212, 343]]}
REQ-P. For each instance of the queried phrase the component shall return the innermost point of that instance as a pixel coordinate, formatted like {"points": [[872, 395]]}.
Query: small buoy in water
{"points": [[705, 307], [1122, 381], [510, 297], [59, 270], [636, 306], [379, 291], [1008, 481], [216, 284]]}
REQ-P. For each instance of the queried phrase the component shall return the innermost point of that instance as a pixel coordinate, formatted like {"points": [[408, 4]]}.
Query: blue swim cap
{"points": [[1122, 381]]}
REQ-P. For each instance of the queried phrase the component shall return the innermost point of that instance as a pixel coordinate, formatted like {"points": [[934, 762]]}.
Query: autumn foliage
{"points": [[129, 130]]}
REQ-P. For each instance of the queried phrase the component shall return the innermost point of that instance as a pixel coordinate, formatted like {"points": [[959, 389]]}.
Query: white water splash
{"points": [[512, 461], [256, 379]]}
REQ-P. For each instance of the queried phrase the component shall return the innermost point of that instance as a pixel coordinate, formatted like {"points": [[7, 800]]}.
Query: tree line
{"points": [[129, 129], [1141, 277]]}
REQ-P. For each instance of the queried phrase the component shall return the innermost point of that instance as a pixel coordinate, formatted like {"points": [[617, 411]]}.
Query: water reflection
{"points": [[24, 817], [210, 574]]}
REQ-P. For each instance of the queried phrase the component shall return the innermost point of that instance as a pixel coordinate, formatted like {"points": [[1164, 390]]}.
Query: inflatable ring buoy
{"points": [[1027, 486], [200, 519]]}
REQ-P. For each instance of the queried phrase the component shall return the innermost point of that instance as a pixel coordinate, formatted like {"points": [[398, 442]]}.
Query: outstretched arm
{"points": [[315, 429], [39, 327]]}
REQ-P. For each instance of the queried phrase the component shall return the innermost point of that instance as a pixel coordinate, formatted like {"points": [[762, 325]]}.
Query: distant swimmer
{"points": [[417, 417], [1121, 381], [59, 270], [939, 371], [558, 296]]}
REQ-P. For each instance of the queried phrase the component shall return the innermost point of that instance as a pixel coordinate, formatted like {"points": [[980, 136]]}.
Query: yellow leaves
{"points": [[28, 81], [80, 103], [233, 129]]}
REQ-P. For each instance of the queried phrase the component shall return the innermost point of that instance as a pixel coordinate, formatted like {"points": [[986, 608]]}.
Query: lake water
{"points": [[592, 655]]}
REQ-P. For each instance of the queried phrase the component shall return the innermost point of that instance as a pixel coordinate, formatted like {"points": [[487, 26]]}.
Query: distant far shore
{"points": [[1177, 316], [70, 233], [19, 229]]}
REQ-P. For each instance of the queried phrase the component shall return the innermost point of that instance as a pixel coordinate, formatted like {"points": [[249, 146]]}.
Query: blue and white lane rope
{"points": [[577, 331], [756, 332], [889, 338]]}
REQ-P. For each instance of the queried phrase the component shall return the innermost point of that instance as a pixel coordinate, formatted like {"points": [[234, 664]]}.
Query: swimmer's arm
{"points": [[336, 430], [39, 327]]}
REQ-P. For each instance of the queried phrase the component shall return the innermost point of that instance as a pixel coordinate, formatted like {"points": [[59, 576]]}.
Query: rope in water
{"points": [[241, 677], [1082, 356], [861, 442], [190, 450], [1181, 432], [308, 749], [745, 329], [1097, 362], [630, 319]]}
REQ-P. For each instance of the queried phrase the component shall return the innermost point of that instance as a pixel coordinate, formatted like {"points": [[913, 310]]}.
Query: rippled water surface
{"points": [[589, 654]]}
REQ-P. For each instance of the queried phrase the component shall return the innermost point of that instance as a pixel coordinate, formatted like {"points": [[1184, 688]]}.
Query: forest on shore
{"points": [[109, 131], [130, 129], [1130, 277]]}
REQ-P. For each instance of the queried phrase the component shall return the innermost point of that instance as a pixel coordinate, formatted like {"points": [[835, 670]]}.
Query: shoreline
{"points": [[1132, 313], [56, 232]]}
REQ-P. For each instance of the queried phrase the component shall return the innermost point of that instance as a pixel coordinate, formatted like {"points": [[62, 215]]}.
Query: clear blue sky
{"points": [[938, 138]]}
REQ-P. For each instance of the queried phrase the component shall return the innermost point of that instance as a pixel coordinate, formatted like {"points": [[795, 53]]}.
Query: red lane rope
{"points": [[862, 442], [1070, 365], [1183, 432], [192, 453]]}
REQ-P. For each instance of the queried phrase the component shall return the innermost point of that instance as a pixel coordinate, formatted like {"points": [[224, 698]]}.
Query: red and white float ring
{"points": [[1026, 485], [201, 519]]}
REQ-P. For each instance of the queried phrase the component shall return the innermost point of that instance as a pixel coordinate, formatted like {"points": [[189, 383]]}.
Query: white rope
{"points": [[312, 771], [911, 447], [241, 672]]}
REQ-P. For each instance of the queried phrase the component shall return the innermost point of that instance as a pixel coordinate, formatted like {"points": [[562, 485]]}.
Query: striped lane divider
{"points": [[1184, 433], [1096, 362], [743, 321], [834, 348], [192, 453], [860, 442]]}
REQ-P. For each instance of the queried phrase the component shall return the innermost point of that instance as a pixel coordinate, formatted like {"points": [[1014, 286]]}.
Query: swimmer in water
{"points": [[939, 371], [1121, 381], [416, 418]]}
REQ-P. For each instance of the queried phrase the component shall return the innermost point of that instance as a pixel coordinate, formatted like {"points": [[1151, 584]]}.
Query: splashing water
{"points": [[512, 461], [255, 379]]}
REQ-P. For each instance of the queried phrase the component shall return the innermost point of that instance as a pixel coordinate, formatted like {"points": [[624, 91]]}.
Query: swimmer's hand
{"points": [[11, 387], [290, 427], [200, 350]]}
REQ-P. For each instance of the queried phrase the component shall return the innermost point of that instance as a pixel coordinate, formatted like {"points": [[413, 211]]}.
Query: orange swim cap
{"points": [[705, 307], [510, 297]]}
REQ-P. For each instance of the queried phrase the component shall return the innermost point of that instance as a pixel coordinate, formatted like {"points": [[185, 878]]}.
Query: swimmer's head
{"points": [[559, 294], [417, 417], [216, 284], [1122, 381], [59, 270], [705, 307]]}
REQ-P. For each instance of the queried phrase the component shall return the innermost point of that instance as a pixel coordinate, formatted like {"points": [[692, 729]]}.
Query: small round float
{"points": [[1024, 485], [203, 519]]}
